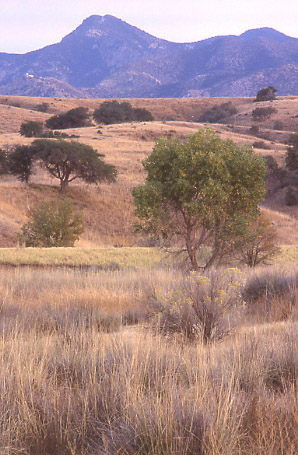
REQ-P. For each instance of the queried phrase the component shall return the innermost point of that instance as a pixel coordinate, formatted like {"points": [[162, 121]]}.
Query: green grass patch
{"points": [[108, 258]]}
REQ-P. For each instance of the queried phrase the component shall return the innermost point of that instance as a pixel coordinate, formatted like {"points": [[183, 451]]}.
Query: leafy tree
{"points": [[114, 112], [68, 161], [52, 224], [266, 94], [75, 118], [20, 162], [31, 129], [258, 244], [199, 190]]}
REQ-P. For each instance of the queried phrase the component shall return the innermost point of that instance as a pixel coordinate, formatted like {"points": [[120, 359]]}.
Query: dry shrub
{"points": [[271, 294], [203, 306]]}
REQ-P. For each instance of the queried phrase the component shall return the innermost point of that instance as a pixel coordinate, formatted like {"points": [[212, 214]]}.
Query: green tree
{"points": [[266, 94], [75, 118], [68, 161], [31, 129], [20, 162], [199, 190], [52, 224]]}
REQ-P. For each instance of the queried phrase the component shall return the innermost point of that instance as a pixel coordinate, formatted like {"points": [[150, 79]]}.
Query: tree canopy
{"points": [[68, 161], [75, 118], [114, 112], [20, 162], [203, 190], [266, 94], [31, 129]]}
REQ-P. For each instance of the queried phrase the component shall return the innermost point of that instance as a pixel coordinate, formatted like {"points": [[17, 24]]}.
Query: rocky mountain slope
{"points": [[106, 57]]}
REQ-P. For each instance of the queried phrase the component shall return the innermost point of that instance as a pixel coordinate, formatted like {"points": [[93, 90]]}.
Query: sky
{"points": [[27, 25]]}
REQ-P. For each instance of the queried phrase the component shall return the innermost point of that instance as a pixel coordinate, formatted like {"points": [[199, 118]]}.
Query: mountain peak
{"points": [[264, 32]]}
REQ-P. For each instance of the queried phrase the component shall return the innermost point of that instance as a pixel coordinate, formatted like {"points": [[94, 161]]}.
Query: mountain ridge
{"points": [[108, 58]]}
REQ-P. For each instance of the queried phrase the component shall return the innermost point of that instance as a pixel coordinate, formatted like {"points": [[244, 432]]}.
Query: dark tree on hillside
{"points": [[75, 118], [20, 162], [31, 129], [292, 153], [266, 94], [68, 161], [114, 112], [3, 162]]}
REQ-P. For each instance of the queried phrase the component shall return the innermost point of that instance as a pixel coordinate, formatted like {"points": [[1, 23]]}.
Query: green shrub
{"points": [[266, 94], [261, 145], [52, 224]]}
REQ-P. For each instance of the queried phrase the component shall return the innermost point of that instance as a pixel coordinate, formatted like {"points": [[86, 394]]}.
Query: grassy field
{"points": [[85, 368]]}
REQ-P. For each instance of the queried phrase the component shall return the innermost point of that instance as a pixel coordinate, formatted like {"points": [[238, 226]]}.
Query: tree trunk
{"points": [[63, 185]]}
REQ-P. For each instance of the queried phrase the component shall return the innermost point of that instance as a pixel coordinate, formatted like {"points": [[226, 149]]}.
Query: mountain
{"points": [[106, 57]]}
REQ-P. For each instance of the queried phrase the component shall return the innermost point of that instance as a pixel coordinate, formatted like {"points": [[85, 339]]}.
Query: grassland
{"points": [[101, 349]]}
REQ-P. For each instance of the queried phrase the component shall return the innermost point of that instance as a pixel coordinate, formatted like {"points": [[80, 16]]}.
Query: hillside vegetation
{"points": [[107, 209]]}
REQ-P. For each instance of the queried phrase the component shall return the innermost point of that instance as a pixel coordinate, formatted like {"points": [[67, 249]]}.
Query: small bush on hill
{"points": [[114, 112], [217, 114], [75, 118], [43, 107], [52, 224], [31, 129], [278, 125], [262, 113], [261, 145]]}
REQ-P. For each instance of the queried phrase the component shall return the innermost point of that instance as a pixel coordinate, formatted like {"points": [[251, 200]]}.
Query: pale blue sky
{"points": [[31, 24]]}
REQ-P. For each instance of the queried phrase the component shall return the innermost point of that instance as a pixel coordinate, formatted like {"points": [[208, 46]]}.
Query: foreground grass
{"points": [[76, 257], [81, 373]]}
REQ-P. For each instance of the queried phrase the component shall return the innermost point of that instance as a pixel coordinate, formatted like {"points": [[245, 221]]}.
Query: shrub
{"points": [[43, 107], [291, 197], [263, 113], [114, 112], [268, 284], [254, 130], [31, 129], [217, 114], [261, 145], [75, 118], [203, 307], [278, 125], [52, 224]]}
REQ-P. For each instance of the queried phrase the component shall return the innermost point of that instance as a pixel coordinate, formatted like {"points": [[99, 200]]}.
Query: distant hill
{"points": [[107, 58]]}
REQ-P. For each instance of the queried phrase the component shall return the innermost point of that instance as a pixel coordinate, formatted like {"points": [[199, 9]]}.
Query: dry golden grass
{"points": [[77, 379]]}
